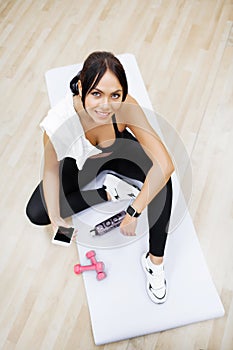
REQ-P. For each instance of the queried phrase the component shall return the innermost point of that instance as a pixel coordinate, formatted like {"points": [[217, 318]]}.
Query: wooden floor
{"points": [[184, 49]]}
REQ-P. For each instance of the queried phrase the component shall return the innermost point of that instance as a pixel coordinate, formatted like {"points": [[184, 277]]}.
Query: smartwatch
{"points": [[132, 212]]}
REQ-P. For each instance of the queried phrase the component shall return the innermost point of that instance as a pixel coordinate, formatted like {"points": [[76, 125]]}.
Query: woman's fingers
{"points": [[58, 221], [75, 234], [128, 226]]}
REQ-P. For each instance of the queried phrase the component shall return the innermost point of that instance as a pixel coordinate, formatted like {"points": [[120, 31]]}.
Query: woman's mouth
{"points": [[103, 114]]}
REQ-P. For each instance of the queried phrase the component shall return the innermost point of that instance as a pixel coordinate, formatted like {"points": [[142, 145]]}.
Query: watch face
{"points": [[131, 211]]}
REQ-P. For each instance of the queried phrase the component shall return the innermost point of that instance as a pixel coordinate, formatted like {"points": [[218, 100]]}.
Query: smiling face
{"points": [[105, 99]]}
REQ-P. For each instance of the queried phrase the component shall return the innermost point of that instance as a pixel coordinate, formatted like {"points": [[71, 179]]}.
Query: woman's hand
{"points": [[57, 221], [128, 225]]}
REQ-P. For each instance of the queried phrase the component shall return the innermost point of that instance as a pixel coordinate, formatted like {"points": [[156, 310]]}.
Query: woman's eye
{"points": [[115, 96], [95, 93]]}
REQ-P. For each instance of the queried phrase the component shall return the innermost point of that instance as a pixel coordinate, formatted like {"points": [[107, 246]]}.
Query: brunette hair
{"points": [[93, 70]]}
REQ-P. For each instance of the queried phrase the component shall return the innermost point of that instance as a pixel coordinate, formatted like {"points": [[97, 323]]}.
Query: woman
{"points": [[97, 128]]}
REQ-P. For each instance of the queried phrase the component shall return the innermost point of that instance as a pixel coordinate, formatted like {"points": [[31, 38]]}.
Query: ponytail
{"points": [[74, 84]]}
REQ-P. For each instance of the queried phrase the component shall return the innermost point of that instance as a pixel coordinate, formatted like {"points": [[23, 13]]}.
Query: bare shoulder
{"points": [[126, 110], [129, 99], [132, 114]]}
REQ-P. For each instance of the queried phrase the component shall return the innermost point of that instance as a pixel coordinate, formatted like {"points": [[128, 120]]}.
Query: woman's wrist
{"points": [[131, 211], [137, 205], [54, 216]]}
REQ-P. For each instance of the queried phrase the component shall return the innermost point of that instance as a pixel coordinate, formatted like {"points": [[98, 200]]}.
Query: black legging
{"points": [[74, 200]]}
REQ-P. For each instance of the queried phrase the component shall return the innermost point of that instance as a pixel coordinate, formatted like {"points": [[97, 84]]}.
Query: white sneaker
{"points": [[119, 189], [156, 282]]}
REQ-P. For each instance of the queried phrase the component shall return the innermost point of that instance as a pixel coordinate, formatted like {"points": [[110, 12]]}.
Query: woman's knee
{"points": [[36, 207], [36, 213]]}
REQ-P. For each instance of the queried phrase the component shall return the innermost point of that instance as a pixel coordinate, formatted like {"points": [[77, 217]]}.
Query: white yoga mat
{"points": [[119, 305]]}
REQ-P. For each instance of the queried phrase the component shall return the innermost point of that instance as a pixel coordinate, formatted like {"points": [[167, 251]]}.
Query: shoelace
{"points": [[117, 195], [156, 280], [128, 194]]}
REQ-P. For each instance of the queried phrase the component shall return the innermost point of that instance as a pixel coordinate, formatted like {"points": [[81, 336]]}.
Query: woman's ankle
{"points": [[156, 260], [109, 198]]}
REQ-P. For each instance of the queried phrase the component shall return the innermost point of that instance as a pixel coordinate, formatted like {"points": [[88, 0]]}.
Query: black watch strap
{"points": [[132, 212]]}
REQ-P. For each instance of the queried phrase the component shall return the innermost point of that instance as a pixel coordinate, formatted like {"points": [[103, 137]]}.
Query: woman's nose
{"points": [[105, 105]]}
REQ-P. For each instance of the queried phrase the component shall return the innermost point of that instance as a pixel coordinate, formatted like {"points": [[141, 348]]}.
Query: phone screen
{"points": [[64, 234]]}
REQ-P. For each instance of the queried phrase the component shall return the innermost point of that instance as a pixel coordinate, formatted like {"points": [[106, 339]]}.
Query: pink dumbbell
{"points": [[96, 265], [99, 267], [91, 255]]}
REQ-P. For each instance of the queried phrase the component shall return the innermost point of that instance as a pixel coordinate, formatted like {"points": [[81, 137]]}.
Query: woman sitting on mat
{"points": [[99, 127]]}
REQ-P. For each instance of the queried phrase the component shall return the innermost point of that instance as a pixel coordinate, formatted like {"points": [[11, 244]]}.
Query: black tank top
{"points": [[115, 144], [118, 145]]}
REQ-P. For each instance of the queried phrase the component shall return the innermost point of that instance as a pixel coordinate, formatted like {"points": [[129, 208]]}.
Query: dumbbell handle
{"points": [[91, 255], [93, 260], [99, 267], [79, 268]]}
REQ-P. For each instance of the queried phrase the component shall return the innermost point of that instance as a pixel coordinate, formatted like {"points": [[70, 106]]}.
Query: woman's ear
{"points": [[80, 88]]}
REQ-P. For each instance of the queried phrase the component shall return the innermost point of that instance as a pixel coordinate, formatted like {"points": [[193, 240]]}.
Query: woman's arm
{"points": [[162, 165], [51, 184]]}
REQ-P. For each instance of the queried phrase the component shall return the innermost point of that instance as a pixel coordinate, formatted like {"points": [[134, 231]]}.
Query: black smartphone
{"points": [[63, 236]]}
